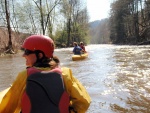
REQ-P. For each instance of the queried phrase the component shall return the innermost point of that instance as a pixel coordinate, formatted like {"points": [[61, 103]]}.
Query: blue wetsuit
{"points": [[77, 50]]}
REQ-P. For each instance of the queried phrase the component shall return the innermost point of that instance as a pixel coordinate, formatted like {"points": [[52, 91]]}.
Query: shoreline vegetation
{"points": [[128, 23]]}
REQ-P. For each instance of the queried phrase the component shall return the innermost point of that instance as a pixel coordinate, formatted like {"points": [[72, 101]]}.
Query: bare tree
{"points": [[45, 18], [9, 48]]}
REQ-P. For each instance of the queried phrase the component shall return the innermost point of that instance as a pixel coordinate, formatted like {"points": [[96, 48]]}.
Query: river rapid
{"points": [[116, 77]]}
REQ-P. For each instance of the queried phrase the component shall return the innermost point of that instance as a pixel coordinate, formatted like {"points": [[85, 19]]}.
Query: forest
{"points": [[66, 21], [130, 22]]}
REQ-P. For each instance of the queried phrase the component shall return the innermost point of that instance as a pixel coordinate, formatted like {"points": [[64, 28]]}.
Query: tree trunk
{"points": [[9, 49], [69, 30]]}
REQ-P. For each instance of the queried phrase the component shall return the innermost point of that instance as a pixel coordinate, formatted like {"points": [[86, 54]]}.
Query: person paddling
{"points": [[44, 87], [83, 47], [77, 50]]}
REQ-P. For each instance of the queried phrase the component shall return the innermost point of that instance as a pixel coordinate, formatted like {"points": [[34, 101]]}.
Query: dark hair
{"points": [[54, 62], [55, 58], [41, 62], [75, 43], [81, 42]]}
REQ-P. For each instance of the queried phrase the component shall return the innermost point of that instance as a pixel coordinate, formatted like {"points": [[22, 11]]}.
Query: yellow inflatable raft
{"points": [[2, 93], [79, 57]]}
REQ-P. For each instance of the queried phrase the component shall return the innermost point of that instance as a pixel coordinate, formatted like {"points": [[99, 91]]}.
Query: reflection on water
{"points": [[116, 77], [10, 66]]}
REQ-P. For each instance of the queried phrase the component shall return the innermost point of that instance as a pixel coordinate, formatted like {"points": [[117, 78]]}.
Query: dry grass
{"points": [[17, 39]]}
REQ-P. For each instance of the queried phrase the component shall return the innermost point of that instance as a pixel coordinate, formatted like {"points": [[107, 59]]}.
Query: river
{"points": [[116, 77]]}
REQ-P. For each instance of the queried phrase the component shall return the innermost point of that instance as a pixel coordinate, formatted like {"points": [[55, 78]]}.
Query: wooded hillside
{"points": [[99, 32], [129, 23]]}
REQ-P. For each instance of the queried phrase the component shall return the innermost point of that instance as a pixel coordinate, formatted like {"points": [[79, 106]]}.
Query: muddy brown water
{"points": [[116, 77]]}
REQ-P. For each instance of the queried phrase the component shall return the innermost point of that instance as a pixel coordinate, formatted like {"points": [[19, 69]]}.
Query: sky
{"points": [[98, 9]]}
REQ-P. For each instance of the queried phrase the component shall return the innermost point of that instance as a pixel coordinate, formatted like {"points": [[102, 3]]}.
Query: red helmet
{"points": [[39, 42]]}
